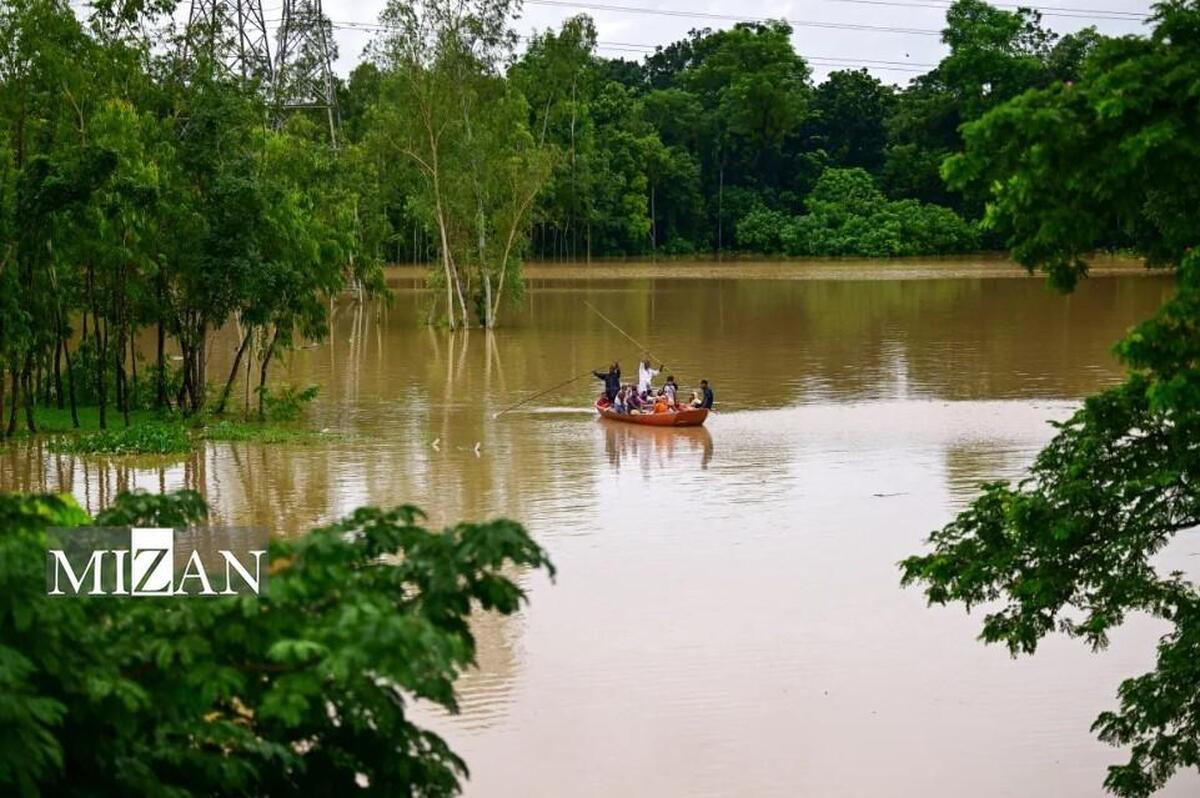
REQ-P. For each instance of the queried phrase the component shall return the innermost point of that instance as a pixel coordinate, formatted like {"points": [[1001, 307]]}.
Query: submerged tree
{"points": [[1071, 547], [446, 110]]}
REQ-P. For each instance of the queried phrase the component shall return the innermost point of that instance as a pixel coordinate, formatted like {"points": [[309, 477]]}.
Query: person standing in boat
{"points": [[706, 395], [646, 375], [612, 381]]}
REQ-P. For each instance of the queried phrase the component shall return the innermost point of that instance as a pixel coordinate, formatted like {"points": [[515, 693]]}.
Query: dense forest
{"points": [[145, 189], [723, 141]]}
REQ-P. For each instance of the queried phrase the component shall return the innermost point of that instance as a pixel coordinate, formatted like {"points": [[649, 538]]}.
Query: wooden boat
{"points": [[692, 417]]}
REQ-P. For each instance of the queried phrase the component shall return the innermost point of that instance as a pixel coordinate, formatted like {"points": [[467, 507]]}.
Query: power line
{"points": [[1096, 14], [650, 49], [667, 12], [1060, 11], [1046, 11]]}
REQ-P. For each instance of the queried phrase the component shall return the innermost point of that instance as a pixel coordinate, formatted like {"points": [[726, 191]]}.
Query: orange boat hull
{"points": [[680, 418]]}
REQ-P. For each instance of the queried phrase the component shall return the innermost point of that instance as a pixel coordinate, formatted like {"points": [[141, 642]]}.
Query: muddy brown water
{"points": [[727, 618]]}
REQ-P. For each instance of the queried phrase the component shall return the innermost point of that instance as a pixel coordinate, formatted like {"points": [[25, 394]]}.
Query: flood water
{"points": [[727, 618]]}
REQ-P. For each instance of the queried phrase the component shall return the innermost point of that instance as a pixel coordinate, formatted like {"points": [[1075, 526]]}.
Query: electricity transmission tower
{"points": [[233, 33], [304, 61]]}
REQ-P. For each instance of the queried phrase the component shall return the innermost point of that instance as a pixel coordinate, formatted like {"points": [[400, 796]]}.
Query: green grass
{"points": [[147, 437], [51, 419], [150, 432], [259, 431]]}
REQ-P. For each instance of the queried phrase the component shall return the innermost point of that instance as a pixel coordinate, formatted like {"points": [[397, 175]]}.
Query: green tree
{"points": [[849, 215], [304, 689], [994, 56], [755, 89], [1071, 547], [557, 76], [849, 111], [442, 98]]}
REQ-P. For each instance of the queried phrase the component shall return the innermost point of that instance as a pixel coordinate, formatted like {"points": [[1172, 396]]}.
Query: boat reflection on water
{"points": [[657, 448]]}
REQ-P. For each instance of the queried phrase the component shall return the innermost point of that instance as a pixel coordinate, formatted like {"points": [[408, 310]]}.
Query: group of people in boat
{"points": [[644, 398]]}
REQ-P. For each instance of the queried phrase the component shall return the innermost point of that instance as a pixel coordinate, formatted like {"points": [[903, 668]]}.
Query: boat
{"points": [[692, 417]]}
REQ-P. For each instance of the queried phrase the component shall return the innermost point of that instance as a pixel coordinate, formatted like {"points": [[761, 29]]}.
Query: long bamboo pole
{"points": [[562, 384], [613, 324]]}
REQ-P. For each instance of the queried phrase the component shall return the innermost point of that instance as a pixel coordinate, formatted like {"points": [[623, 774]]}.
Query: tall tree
{"points": [[442, 88], [849, 110], [994, 56]]}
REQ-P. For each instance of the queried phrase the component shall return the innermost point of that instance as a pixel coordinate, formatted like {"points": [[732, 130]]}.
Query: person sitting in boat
{"points": [[633, 401], [671, 389], [706, 394], [695, 400], [619, 404], [646, 376], [612, 381], [660, 402]]}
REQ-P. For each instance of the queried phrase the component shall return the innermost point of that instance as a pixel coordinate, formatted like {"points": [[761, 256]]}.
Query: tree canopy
{"points": [[1072, 547]]}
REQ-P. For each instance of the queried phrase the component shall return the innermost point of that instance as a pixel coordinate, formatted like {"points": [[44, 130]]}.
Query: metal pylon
{"points": [[304, 61], [233, 33]]}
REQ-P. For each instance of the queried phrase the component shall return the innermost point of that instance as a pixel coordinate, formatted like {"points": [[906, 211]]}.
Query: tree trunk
{"points": [[120, 385], [446, 267], [27, 383], [101, 383], [233, 372], [489, 322], [16, 400], [185, 377], [160, 398], [132, 364], [58, 384], [101, 345], [262, 374], [70, 379], [720, 210]]}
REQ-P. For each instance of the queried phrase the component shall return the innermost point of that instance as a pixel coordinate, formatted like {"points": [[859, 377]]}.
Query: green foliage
{"points": [[287, 402], [762, 230], [132, 201], [1072, 547], [147, 437], [849, 215], [849, 113], [293, 693], [995, 55], [473, 164], [228, 430]]}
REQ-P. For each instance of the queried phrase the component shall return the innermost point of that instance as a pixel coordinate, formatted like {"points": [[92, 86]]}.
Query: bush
{"points": [[287, 402], [762, 230], [841, 194], [147, 437], [848, 215], [300, 691]]}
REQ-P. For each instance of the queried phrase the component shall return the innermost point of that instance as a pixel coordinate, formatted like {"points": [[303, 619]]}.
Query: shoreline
{"points": [[820, 269]]}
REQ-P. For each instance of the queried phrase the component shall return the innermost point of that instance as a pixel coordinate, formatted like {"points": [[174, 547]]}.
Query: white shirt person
{"points": [[646, 375]]}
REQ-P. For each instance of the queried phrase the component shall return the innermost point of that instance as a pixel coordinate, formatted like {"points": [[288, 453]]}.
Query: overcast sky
{"points": [[630, 35]]}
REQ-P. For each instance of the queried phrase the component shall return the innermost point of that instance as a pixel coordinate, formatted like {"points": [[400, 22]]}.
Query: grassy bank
{"points": [[154, 433]]}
